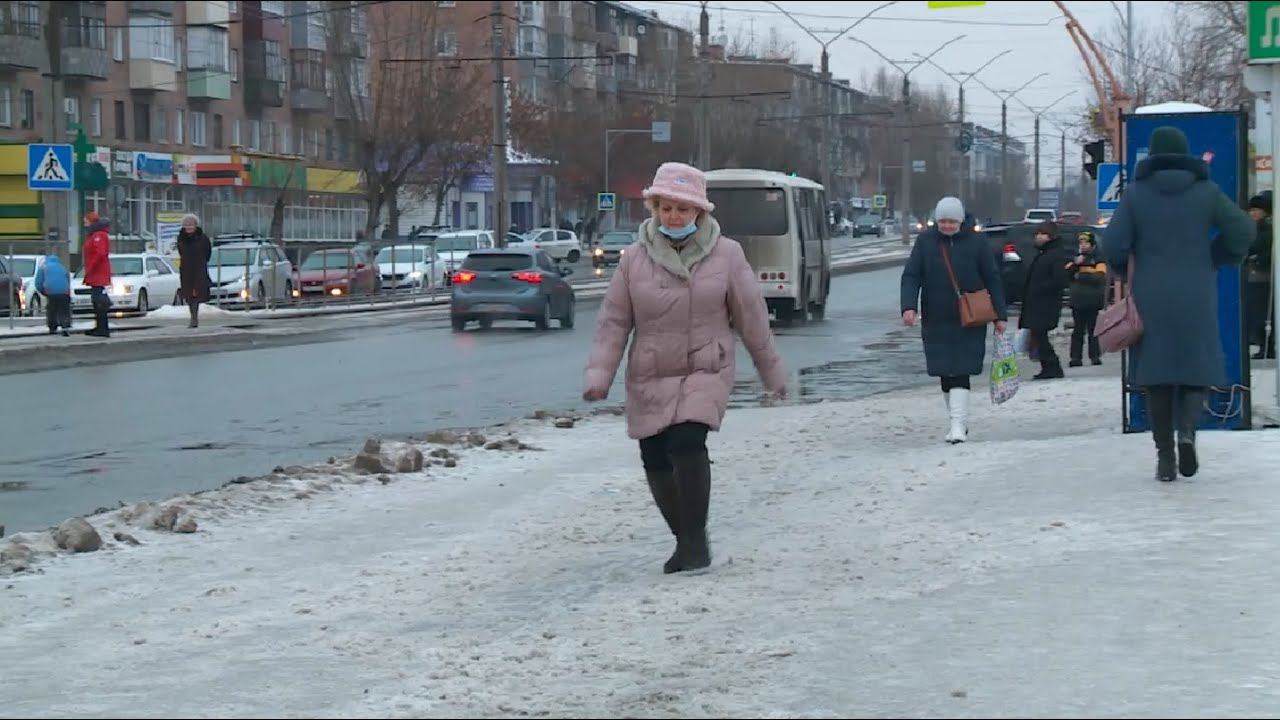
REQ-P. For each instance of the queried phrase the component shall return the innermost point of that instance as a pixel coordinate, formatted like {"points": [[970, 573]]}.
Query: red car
{"points": [[337, 272]]}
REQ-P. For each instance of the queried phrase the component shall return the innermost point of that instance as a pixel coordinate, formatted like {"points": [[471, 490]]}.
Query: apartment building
{"points": [[214, 107]]}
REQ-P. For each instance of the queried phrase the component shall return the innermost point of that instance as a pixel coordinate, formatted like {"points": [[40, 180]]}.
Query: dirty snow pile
{"points": [[181, 312], [862, 568]]}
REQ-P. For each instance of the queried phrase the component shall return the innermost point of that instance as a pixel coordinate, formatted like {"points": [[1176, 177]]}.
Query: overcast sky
{"points": [[1033, 30]]}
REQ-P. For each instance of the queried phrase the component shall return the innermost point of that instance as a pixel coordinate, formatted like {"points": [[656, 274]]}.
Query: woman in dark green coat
{"points": [[1165, 220]]}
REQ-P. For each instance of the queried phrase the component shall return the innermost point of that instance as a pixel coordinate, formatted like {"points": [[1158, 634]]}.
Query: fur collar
{"points": [[679, 262]]}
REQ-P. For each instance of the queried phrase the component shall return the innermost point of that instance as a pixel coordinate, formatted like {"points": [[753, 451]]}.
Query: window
{"points": [[85, 32], [117, 44], [161, 125], [255, 134], [198, 128], [269, 137], [154, 265], [120, 125], [178, 57], [307, 69], [6, 106], [446, 43], [273, 7], [21, 18], [328, 144], [233, 7], [235, 132], [28, 109], [217, 131], [142, 122], [446, 3], [95, 117], [71, 108], [754, 211], [207, 49], [179, 126], [151, 38], [286, 140], [234, 63], [273, 62]]}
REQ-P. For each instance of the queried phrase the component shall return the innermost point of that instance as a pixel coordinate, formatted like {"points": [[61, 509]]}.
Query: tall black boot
{"points": [[194, 306], [662, 484], [693, 473], [1189, 408], [1160, 399]]}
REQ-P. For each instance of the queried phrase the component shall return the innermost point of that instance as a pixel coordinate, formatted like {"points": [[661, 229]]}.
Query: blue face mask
{"points": [[679, 233]]}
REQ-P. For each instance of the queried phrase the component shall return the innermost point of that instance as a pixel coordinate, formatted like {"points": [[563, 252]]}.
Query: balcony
{"points": [[608, 42], [153, 7], [151, 75], [204, 12], [628, 46], [261, 92], [341, 111], [21, 46], [305, 99], [85, 62], [211, 83]]}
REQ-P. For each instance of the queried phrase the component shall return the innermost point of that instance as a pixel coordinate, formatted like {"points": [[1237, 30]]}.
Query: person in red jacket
{"points": [[97, 270]]}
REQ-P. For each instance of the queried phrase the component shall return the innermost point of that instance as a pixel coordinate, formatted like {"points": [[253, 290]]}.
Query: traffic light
{"points": [[1094, 153]]}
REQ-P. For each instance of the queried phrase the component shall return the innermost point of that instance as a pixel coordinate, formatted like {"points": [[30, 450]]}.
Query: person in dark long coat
{"points": [[1164, 220], [194, 252], [1260, 287], [1046, 280], [952, 352]]}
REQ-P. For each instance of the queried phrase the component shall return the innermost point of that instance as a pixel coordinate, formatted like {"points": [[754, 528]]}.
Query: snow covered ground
{"points": [[862, 568]]}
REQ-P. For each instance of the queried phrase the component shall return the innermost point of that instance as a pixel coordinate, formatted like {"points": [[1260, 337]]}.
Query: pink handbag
{"points": [[1119, 326]]}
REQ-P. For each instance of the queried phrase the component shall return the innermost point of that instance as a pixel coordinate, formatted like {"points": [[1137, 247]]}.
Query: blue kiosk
{"points": [[1220, 138]]}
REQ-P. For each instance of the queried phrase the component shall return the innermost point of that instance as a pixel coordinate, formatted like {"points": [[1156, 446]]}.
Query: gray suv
{"points": [[508, 284]]}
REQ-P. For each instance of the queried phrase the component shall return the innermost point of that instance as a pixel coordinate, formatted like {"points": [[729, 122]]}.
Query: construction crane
{"points": [[1111, 104]]}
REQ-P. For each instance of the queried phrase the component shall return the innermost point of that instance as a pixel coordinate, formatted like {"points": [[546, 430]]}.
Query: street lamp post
{"points": [[1038, 114], [963, 171], [826, 82], [1004, 136], [907, 169]]}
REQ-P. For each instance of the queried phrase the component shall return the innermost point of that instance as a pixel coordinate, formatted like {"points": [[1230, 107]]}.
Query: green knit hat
{"points": [[1169, 141]]}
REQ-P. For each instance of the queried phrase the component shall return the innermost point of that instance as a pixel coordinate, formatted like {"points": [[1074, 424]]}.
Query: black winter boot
{"points": [[1189, 408], [693, 473], [662, 484], [1160, 406]]}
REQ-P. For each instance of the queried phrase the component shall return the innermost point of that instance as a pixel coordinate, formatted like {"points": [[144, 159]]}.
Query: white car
{"points": [[454, 247], [561, 245], [410, 266], [249, 271], [139, 281], [25, 266]]}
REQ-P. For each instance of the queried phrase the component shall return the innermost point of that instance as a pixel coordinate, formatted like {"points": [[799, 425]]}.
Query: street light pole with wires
{"points": [[1004, 136], [825, 150], [906, 68], [964, 139], [1038, 114]]}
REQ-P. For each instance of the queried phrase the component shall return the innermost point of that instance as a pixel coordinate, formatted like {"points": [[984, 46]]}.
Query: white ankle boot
{"points": [[958, 405]]}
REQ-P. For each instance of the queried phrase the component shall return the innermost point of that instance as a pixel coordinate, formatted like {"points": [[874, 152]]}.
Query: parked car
{"points": [[10, 289], [613, 245], [139, 281], [1014, 246], [868, 225], [452, 248], [561, 245], [409, 266], [337, 272], [511, 284], [249, 271], [1035, 215], [25, 266]]}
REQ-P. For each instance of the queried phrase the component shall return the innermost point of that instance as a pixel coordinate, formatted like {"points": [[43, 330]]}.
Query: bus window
{"points": [[748, 212]]}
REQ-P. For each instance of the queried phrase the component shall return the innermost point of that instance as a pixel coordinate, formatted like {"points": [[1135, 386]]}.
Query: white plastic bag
{"points": [[1004, 369]]}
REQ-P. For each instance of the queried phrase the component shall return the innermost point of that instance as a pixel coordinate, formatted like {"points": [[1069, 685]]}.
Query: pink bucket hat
{"points": [[681, 183]]}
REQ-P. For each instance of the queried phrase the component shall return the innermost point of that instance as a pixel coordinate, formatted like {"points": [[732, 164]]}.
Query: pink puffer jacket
{"points": [[681, 364]]}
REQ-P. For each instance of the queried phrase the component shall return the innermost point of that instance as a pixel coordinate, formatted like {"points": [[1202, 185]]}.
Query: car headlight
{"points": [[415, 275], [598, 252], [122, 289]]}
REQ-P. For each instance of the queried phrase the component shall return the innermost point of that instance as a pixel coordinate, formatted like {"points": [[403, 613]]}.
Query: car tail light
{"points": [[464, 277], [529, 277], [1011, 253]]}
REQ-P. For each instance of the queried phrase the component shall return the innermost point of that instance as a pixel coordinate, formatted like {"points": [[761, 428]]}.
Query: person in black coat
{"points": [[952, 352], [194, 252], [1088, 295], [1042, 297], [1261, 288]]}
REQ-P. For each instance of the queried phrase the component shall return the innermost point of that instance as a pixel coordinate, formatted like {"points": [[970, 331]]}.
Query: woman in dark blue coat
{"points": [[1165, 220], [952, 352]]}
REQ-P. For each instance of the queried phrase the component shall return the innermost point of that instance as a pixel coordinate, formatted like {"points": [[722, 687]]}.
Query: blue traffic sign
{"points": [[1108, 186], [606, 200], [49, 167]]}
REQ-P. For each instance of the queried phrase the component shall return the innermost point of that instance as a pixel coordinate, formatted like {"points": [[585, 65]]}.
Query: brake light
{"points": [[527, 276], [1010, 248], [464, 277]]}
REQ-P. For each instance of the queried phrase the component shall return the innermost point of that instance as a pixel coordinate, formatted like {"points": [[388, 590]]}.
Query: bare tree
{"points": [[398, 111]]}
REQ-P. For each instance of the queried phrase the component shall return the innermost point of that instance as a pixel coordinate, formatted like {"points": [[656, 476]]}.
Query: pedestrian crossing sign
{"points": [[1108, 186], [606, 200], [49, 167]]}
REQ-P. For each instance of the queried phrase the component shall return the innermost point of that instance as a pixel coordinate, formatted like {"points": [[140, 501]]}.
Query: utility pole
{"points": [[1038, 114], [58, 208], [1062, 179], [704, 76], [827, 88], [1005, 96], [1128, 41], [499, 128], [904, 203], [963, 171]]}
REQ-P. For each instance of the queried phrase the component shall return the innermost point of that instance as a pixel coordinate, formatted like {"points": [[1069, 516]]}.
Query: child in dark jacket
{"points": [[1088, 294]]}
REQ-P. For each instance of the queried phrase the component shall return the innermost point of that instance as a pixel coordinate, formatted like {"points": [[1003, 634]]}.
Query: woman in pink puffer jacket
{"points": [[680, 290]]}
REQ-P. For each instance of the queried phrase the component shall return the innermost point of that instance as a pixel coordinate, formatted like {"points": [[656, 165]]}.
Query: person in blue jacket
{"points": [[54, 283]]}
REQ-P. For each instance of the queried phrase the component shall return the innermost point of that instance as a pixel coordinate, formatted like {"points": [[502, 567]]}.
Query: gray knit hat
{"points": [[949, 208]]}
